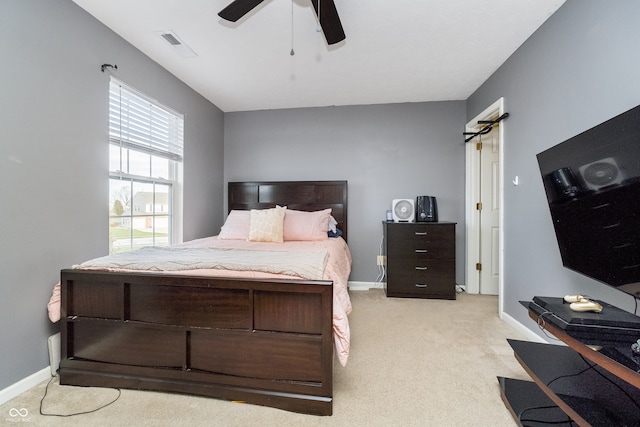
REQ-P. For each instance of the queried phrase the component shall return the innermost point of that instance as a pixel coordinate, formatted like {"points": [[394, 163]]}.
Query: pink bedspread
{"points": [[337, 270]]}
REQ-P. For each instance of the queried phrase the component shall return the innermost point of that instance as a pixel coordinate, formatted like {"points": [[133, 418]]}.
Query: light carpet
{"points": [[413, 362]]}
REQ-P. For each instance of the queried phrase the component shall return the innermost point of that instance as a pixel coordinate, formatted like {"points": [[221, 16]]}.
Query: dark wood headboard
{"points": [[299, 195]]}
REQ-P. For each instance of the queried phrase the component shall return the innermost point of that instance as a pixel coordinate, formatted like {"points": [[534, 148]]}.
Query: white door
{"points": [[492, 256], [489, 263]]}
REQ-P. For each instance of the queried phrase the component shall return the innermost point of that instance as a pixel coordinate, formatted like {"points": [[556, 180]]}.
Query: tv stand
{"points": [[610, 328], [590, 385]]}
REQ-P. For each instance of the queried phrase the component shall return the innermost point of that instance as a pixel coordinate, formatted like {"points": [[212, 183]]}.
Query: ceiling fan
{"points": [[329, 20]]}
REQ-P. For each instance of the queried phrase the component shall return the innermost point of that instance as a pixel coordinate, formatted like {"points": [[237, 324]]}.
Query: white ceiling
{"points": [[395, 50]]}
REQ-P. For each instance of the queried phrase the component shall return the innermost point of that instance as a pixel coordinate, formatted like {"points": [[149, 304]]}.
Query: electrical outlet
{"points": [[382, 260]]}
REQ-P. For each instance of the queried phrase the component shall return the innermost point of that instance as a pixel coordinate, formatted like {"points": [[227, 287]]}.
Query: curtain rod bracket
{"points": [[485, 130], [105, 66]]}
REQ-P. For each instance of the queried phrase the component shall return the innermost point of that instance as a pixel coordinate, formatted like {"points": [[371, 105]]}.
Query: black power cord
{"points": [[568, 421], [610, 381], [46, 390]]}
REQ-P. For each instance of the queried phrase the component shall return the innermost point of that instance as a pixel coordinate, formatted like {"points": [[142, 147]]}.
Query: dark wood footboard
{"points": [[263, 342]]}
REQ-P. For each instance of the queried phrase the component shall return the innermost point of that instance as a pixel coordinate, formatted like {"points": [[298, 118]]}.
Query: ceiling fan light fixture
{"points": [[180, 47], [328, 19]]}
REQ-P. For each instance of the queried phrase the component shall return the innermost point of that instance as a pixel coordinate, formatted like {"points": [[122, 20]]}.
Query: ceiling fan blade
{"points": [[237, 9], [329, 21]]}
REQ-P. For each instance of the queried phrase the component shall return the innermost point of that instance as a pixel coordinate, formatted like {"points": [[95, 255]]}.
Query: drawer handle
{"points": [[617, 224], [421, 268], [604, 205], [420, 285], [421, 233], [622, 246], [421, 251]]}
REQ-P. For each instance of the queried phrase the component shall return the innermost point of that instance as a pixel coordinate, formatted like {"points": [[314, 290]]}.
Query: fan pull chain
{"points": [[318, 27], [292, 51]]}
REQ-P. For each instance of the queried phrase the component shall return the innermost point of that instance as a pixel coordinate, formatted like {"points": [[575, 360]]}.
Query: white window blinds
{"points": [[140, 123]]}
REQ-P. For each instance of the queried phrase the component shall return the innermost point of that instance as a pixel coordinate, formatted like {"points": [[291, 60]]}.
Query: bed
{"points": [[261, 338]]}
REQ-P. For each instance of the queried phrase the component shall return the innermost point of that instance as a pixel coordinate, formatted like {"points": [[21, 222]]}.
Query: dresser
{"points": [[421, 259]]}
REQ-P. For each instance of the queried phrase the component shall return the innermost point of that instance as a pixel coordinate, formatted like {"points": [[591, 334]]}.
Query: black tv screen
{"points": [[592, 183]]}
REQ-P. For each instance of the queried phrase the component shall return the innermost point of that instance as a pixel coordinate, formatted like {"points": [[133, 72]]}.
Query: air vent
{"points": [[171, 39], [181, 48]]}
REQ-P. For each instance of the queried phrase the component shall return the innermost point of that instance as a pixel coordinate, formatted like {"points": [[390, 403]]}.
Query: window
{"points": [[145, 159]]}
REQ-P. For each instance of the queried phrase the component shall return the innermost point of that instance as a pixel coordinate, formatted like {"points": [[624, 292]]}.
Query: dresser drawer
{"points": [[420, 233], [403, 269], [421, 250], [421, 285]]}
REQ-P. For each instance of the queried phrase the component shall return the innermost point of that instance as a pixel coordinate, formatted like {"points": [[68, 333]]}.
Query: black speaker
{"points": [[565, 182], [426, 209]]}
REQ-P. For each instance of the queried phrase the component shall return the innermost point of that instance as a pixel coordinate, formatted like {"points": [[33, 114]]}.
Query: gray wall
{"points": [[54, 159], [384, 151], [578, 70]]}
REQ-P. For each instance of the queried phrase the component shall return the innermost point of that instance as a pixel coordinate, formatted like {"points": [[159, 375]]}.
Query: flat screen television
{"points": [[592, 184]]}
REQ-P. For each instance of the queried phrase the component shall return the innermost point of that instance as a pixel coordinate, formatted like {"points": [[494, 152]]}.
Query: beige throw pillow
{"points": [[267, 225]]}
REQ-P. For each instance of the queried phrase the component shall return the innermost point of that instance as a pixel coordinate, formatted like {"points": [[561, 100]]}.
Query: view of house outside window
{"points": [[145, 154]]}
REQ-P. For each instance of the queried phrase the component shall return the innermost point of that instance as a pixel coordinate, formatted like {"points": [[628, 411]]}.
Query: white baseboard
{"points": [[24, 384], [365, 286], [528, 333]]}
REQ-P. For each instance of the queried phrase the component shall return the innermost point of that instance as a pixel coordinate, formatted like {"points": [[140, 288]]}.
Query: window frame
{"points": [[174, 181]]}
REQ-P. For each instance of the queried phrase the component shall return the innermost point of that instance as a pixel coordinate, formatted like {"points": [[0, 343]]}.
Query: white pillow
{"points": [[332, 224]]}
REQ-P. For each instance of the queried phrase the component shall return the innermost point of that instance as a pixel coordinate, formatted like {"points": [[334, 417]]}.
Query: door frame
{"points": [[472, 190]]}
